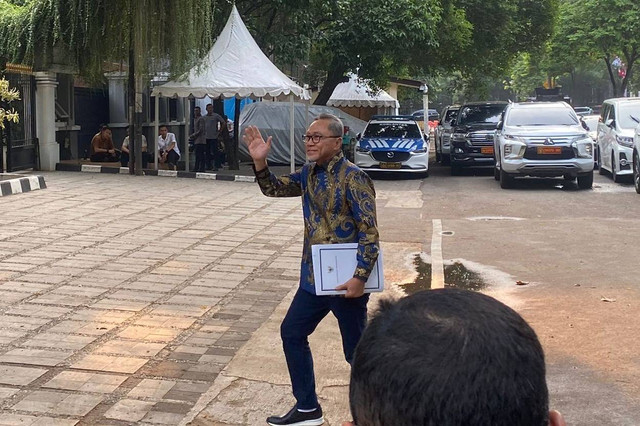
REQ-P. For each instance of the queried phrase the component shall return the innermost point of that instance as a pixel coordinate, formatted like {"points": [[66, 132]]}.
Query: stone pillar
{"points": [[46, 119]]}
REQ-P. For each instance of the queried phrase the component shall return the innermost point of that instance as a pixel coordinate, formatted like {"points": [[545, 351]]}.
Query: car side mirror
{"points": [[358, 136], [610, 123], [453, 122], [584, 125], [500, 125]]}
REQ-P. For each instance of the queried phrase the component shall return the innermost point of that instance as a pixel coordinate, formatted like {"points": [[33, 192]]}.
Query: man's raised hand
{"points": [[258, 148]]}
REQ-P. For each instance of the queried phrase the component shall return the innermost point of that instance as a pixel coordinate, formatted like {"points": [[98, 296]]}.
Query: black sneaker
{"points": [[298, 418]]}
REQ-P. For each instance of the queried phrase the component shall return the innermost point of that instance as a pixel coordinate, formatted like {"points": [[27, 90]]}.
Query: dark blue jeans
{"points": [[304, 315]]}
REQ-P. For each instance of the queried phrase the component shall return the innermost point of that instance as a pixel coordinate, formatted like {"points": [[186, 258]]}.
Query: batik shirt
{"points": [[338, 204]]}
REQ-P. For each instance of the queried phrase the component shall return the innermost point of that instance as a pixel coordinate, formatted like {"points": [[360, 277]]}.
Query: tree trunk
{"points": [[334, 78], [629, 75], [612, 77], [131, 97]]}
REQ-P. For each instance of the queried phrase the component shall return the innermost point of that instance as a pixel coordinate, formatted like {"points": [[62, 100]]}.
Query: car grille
{"points": [[481, 138], [391, 156], [532, 154], [540, 140]]}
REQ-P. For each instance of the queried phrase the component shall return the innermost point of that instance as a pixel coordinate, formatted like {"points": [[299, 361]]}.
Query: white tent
{"points": [[357, 93], [234, 67]]}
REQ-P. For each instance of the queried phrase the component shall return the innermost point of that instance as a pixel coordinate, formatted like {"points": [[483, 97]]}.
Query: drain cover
{"points": [[447, 233]]}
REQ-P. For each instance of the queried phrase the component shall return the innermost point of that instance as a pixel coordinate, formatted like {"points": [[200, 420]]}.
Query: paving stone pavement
{"points": [[122, 297]]}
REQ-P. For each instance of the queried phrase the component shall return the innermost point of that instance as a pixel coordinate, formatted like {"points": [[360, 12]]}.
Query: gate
{"points": [[20, 138]]}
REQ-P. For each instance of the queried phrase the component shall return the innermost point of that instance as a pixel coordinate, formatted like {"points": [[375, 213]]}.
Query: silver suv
{"points": [[542, 139]]}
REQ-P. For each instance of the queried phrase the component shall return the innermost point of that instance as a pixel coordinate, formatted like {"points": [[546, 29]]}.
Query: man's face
{"points": [[196, 111], [327, 147], [209, 109], [163, 132]]}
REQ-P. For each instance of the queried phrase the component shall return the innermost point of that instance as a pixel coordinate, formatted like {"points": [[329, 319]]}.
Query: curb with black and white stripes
{"points": [[95, 168], [21, 184]]}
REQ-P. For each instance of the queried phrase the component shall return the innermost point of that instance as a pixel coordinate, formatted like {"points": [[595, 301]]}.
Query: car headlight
{"points": [[583, 146], [420, 150], [514, 150], [363, 150], [625, 141], [458, 137]]}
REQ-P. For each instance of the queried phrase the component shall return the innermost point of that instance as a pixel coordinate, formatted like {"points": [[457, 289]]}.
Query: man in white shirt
{"points": [[168, 150], [125, 155]]}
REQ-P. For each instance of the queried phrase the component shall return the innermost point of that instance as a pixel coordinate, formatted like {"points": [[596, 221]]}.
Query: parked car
{"points": [[583, 110], [443, 134], [419, 115], [544, 139], [618, 119], [636, 158], [472, 137], [591, 126], [392, 143]]}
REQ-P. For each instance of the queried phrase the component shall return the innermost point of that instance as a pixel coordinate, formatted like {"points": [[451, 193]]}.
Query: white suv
{"points": [[543, 139], [618, 118]]}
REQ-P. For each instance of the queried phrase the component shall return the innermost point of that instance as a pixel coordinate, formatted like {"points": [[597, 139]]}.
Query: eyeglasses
{"points": [[317, 138]]}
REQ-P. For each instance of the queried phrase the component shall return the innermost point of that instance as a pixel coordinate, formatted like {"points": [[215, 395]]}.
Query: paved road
{"points": [[157, 301]]}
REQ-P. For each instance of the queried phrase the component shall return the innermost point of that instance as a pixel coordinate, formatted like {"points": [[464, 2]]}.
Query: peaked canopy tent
{"points": [[356, 94], [235, 67]]}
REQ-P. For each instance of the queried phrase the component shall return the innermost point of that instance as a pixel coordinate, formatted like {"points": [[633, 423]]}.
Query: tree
{"points": [[147, 35], [606, 29]]}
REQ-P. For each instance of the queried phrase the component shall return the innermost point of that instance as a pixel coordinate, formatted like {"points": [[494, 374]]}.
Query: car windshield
{"points": [[626, 115], [480, 114], [541, 117], [392, 130], [451, 114]]}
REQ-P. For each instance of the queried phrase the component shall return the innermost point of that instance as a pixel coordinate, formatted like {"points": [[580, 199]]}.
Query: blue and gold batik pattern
{"points": [[339, 206]]}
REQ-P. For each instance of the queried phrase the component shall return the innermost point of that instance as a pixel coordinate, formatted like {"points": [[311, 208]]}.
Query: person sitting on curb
{"points": [[449, 357], [168, 150], [102, 149], [125, 155]]}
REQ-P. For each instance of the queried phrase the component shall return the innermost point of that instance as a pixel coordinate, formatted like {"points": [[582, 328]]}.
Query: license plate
{"points": [[486, 150], [390, 165], [549, 150]]}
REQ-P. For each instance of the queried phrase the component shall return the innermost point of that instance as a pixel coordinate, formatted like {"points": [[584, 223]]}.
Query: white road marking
{"points": [[437, 264]]}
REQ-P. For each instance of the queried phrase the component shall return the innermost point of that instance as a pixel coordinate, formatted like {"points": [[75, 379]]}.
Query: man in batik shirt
{"points": [[338, 203]]}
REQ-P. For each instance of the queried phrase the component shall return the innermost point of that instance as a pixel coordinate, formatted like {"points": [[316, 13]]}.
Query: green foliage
{"points": [[7, 95], [90, 33]]}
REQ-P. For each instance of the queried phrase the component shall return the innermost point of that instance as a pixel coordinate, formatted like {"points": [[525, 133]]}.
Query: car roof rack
{"points": [[393, 117]]}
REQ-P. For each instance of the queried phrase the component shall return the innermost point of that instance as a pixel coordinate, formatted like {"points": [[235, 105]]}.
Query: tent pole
{"points": [[156, 131], [187, 118], [291, 135]]}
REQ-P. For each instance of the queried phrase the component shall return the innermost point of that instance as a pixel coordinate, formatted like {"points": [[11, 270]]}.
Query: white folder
{"points": [[334, 264]]}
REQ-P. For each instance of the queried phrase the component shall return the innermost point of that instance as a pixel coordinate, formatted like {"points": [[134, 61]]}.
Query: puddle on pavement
{"points": [[455, 275]]}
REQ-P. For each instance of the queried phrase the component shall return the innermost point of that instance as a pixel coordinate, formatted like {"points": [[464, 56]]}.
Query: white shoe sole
{"points": [[314, 422]]}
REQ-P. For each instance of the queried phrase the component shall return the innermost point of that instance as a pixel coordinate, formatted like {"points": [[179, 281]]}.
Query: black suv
{"points": [[472, 138]]}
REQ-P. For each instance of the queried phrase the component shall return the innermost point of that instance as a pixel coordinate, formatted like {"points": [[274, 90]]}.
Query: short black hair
{"points": [[448, 357], [163, 125], [104, 127]]}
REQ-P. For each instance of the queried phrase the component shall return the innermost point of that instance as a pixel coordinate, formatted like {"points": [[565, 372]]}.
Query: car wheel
{"points": [[585, 181], [506, 180], [614, 174], [601, 171], [636, 172], [496, 173]]}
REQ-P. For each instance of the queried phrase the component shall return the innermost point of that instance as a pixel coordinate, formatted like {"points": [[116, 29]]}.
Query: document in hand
{"points": [[334, 264]]}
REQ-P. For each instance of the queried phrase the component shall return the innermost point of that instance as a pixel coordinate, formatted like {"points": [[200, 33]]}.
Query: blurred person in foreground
{"points": [[338, 204], [449, 357]]}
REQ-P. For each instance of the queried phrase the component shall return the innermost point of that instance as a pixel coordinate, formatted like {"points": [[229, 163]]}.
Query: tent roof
{"points": [[235, 66], [357, 93]]}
